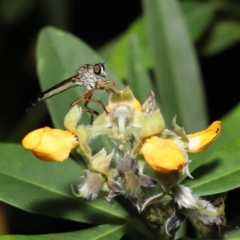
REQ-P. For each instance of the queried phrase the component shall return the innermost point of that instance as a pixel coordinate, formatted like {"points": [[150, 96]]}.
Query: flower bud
{"points": [[163, 155], [50, 144]]}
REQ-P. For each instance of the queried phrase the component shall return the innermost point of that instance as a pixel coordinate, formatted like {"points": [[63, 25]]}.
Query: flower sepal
{"points": [[152, 125], [72, 118], [130, 181], [181, 133], [83, 135], [100, 162], [91, 186]]}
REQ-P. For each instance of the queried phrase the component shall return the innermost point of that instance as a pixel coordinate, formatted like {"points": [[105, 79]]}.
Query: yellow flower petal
{"points": [[200, 140], [137, 105], [163, 155], [50, 144]]}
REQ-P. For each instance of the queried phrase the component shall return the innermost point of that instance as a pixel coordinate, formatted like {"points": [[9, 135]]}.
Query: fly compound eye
{"points": [[99, 69]]}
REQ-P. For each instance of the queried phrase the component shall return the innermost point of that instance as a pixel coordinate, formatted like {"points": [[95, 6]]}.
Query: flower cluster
{"points": [[146, 155]]}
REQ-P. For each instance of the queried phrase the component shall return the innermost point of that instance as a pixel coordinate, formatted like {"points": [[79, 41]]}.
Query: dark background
{"points": [[96, 22]]}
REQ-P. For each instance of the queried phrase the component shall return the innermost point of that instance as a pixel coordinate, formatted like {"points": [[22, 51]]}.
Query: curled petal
{"points": [[200, 140], [163, 155], [50, 144]]}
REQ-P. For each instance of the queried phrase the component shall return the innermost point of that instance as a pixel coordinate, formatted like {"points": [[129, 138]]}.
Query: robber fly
{"points": [[88, 76]]}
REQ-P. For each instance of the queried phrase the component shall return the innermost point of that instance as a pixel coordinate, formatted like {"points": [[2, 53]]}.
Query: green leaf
{"points": [[101, 232], [178, 82], [230, 127], [142, 230], [45, 188], [198, 16], [59, 55], [232, 232], [138, 77], [223, 35], [116, 51], [219, 173]]}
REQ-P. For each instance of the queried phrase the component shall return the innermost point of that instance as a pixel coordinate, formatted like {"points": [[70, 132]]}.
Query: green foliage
{"points": [[101, 232], [224, 35], [137, 73], [221, 171], [42, 188], [178, 80], [163, 41]]}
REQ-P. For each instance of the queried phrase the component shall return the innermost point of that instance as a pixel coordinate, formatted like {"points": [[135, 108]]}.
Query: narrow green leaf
{"points": [[116, 51], [220, 172], [138, 78], [45, 188], [222, 36], [198, 15], [178, 78], [101, 232], [59, 55]]}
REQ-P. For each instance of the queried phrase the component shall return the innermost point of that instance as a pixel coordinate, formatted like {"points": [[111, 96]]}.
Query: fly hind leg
{"points": [[87, 98]]}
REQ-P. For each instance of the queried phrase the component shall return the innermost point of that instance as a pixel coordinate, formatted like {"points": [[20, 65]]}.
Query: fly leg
{"points": [[103, 86], [87, 98]]}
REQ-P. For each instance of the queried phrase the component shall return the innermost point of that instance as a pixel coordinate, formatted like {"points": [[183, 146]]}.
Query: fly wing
{"points": [[58, 88]]}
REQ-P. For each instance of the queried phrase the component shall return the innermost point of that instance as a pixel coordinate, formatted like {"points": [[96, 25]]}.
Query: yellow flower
{"points": [[200, 140], [50, 144], [163, 155], [167, 160]]}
